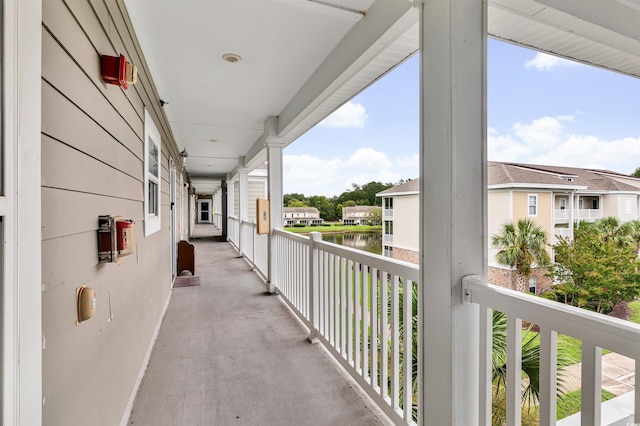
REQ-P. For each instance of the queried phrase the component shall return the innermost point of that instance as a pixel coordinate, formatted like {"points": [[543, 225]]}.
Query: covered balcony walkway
{"points": [[229, 353]]}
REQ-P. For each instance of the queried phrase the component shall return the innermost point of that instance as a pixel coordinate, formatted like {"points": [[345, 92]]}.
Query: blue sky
{"points": [[541, 109]]}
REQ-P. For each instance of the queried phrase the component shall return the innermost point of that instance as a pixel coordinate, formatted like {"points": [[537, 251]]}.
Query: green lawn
{"points": [[634, 307], [570, 403], [333, 229]]}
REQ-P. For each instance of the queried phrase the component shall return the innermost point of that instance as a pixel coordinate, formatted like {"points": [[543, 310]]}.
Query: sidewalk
{"points": [[618, 374]]}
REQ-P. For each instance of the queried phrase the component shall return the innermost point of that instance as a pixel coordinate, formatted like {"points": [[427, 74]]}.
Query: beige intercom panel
{"points": [[86, 303], [262, 213]]}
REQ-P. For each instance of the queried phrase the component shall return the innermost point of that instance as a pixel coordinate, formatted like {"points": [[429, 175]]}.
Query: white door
{"points": [[204, 211]]}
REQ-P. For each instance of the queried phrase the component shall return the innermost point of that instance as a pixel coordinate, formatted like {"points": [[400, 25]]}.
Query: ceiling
{"points": [[302, 59]]}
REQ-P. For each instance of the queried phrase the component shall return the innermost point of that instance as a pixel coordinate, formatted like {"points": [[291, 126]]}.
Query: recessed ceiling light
{"points": [[213, 140], [231, 57]]}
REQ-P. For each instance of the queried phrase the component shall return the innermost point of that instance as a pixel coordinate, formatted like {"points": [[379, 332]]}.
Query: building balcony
{"points": [[590, 215], [226, 339], [387, 213], [558, 233]]}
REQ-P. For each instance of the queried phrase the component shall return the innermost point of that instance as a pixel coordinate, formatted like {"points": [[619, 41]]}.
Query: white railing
{"points": [[254, 247], [233, 231], [217, 220], [594, 330], [587, 214], [561, 233], [261, 253], [387, 213], [561, 214], [578, 214], [247, 230], [353, 303], [387, 239]]}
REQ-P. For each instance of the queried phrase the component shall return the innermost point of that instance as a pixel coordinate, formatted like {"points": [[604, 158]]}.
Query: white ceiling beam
{"points": [[384, 21]]}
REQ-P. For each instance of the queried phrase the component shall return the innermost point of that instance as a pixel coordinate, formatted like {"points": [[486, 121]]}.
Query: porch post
{"points": [[242, 203], [20, 215], [453, 201], [224, 210], [230, 210], [274, 147], [571, 213]]}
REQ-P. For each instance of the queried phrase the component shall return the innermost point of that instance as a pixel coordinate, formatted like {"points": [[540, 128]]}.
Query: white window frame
{"points": [[529, 205], [533, 284], [563, 204], [152, 222]]}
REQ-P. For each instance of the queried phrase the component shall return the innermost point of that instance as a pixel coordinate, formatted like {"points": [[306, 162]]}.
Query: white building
{"points": [[307, 216]]}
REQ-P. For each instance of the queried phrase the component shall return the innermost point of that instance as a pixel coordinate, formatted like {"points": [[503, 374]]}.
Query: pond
{"points": [[367, 241]]}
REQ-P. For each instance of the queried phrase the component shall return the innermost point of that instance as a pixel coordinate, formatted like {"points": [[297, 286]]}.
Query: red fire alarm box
{"points": [[124, 233], [116, 239], [114, 70]]}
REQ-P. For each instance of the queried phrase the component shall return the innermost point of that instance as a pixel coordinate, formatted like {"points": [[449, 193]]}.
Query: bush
{"points": [[299, 225]]}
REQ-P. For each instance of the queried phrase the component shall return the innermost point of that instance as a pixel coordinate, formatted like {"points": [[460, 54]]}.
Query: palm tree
{"points": [[521, 246], [612, 230]]}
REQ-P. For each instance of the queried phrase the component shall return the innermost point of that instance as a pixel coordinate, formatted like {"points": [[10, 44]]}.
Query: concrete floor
{"points": [[229, 354]]}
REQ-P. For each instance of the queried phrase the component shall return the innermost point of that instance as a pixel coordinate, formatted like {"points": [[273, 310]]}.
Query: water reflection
{"points": [[371, 242]]}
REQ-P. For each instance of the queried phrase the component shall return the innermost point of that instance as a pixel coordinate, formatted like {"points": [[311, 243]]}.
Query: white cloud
{"points": [[412, 163], [369, 158], [545, 132], [546, 62], [351, 114], [311, 175], [546, 141]]}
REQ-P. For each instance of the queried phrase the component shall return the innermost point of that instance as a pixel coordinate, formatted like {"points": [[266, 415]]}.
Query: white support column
{"points": [[571, 214], [242, 203], [21, 276], [230, 210], [274, 147], [453, 201]]}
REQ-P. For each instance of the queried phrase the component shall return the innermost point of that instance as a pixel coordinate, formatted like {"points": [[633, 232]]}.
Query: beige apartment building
{"points": [[557, 198]]}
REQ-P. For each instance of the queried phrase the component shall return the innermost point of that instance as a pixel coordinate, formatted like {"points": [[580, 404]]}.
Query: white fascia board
{"points": [[383, 23], [534, 187], [397, 194], [628, 192]]}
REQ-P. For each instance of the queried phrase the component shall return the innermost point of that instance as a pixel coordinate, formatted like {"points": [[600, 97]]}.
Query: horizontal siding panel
{"points": [[67, 168], [91, 25], [132, 293], [147, 91], [111, 18], [85, 135], [63, 74], [65, 28], [69, 212]]}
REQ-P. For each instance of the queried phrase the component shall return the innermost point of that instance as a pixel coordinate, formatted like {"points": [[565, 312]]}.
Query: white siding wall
{"points": [[610, 205], [92, 164], [499, 212], [406, 222], [256, 190], [236, 198]]}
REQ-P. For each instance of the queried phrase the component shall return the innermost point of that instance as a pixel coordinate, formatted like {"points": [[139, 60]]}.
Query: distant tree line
{"points": [[330, 208]]}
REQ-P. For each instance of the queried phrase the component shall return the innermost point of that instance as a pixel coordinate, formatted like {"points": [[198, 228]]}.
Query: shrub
{"points": [[299, 225]]}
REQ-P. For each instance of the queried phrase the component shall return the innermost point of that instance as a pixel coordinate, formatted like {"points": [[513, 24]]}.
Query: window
{"points": [[388, 251], [388, 227], [580, 204], [532, 284], [152, 170], [388, 203], [563, 204], [533, 205]]}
